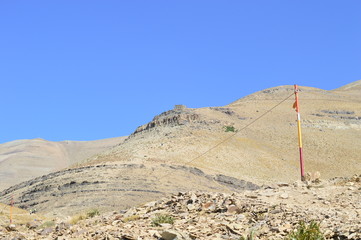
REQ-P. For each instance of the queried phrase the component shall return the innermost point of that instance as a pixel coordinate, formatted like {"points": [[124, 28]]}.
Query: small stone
{"points": [[352, 236], [210, 206], [316, 176], [169, 235], [328, 233], [253, 196], [284, 196], [32, 225], [174, 235], [264, 229], [47, 231], [308, 177], [287, 227], [233, 209], [128, 237], [166, 225], [282, 184], [151, 204], [194, 197], [116, 222], [155, 233], [11, 228], [191, 207], [240, 217]]}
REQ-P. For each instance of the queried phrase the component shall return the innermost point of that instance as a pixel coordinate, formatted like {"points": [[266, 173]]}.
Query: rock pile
{"points": [[271, 212]]}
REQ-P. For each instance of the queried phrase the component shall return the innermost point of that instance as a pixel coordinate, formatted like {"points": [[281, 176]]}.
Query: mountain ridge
{"points": [[21, 160]]}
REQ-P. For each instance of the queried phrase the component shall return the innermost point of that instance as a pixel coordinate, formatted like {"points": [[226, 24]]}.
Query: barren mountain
{"points": [[22, 160], [264, 146], [250, 141]]}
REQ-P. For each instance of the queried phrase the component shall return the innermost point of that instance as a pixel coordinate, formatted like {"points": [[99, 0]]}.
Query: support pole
{"points": [[297, 107], [11, 209]]}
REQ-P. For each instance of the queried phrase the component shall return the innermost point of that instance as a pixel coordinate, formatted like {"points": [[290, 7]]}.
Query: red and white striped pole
{"points": [[11, 209], [297, 107]]}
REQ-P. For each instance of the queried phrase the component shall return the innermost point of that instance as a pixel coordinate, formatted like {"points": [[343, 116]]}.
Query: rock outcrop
{"points": [[109, 186], [170, 118]]}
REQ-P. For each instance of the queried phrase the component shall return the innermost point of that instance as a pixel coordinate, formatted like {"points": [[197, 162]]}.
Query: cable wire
{"points": [[234, 134]]}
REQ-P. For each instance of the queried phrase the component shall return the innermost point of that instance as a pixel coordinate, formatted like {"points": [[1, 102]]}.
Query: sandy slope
{"points": [[22, 160]]}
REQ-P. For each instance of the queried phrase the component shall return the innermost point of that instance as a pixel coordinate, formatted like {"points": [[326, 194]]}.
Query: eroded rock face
{"points": [[113, 185], [338, 114], [170, 118]]}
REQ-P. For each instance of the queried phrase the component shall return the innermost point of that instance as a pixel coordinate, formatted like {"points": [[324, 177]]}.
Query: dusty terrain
{"points": [[271, 212], [22, 160]]}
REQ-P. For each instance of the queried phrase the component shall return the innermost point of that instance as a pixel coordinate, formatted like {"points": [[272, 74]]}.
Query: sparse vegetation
{"points": [[77, 218], [131, 218], [248, 237], [162, 218], [305, 231], [229, 129], [92, 213], [47, 224]]}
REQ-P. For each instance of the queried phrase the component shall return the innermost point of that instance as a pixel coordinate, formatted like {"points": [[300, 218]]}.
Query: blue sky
{"points": [[87, 70]]}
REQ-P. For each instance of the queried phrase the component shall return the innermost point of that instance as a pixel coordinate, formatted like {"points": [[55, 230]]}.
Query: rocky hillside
{"points": [[248, 143], [22, 160], [265, 146], [272, 212], [111, 186]]}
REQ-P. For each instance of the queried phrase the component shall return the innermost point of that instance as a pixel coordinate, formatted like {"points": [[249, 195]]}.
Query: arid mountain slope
{"points": [[112, 186], [264, 149], [22, 160], [190, 149]]}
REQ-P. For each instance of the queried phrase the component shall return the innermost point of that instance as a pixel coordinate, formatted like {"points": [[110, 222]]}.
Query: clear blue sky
{"points": [[86, 70]]}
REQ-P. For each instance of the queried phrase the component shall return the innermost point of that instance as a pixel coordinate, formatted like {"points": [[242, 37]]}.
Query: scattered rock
{"points": [[46, 231], [203, 216], [11, 228], [33, 224], [284, 196], [233, 209], [174, 235]]}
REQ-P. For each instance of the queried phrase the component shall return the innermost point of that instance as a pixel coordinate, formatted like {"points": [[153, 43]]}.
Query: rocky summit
{"points": [[271, 212]]}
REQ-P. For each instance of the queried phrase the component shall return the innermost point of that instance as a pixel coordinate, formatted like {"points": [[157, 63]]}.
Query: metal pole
{"points": [[297, 107], [11, 209]]}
